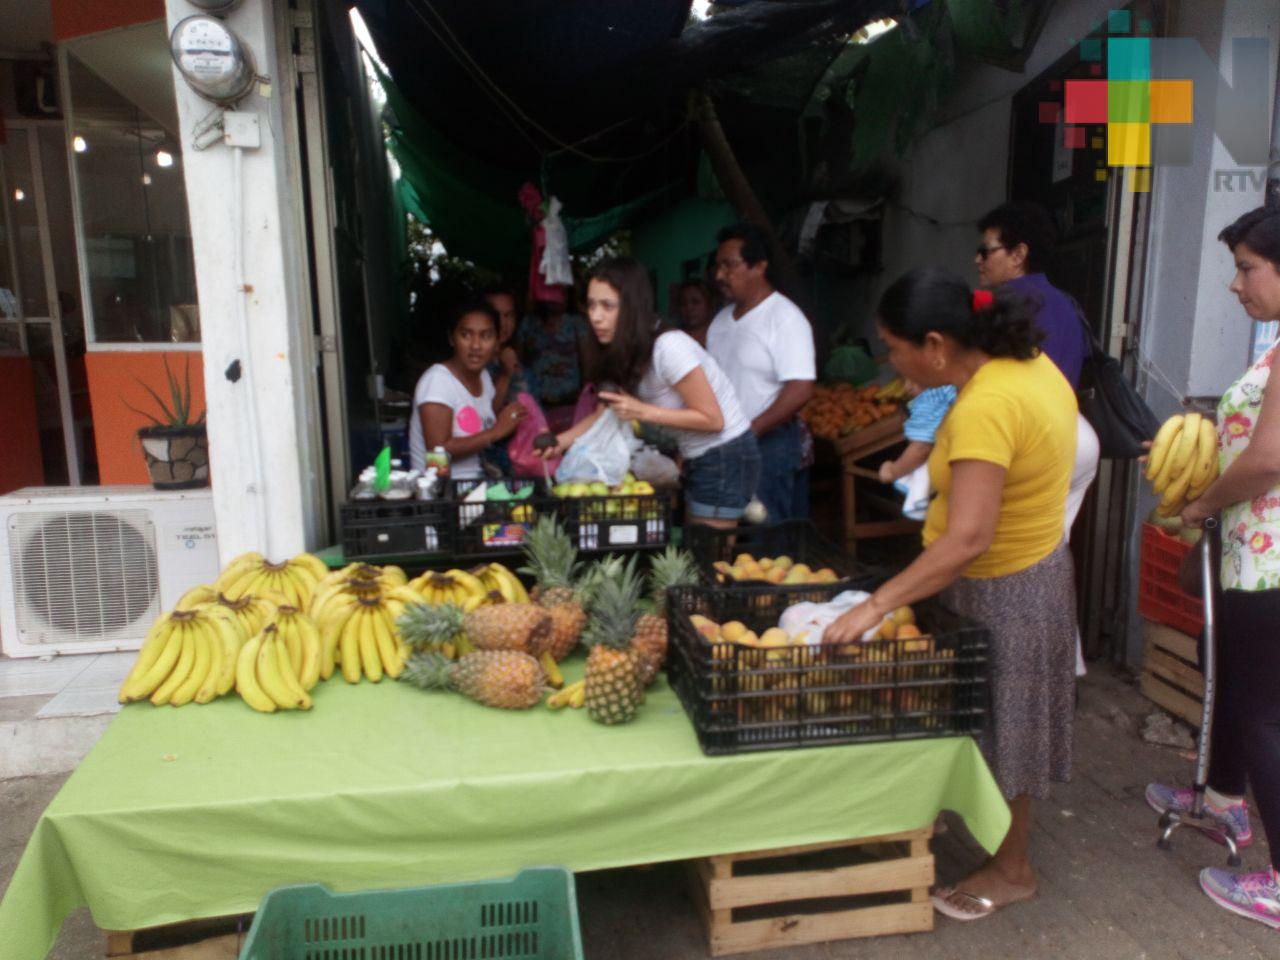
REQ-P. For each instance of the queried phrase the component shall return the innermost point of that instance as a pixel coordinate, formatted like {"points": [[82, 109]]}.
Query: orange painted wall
{"points": [[20, 464], [114, 381], [74, 18]]}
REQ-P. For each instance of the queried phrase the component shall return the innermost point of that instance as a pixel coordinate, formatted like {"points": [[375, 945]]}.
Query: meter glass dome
{"points": [[211, 59]]}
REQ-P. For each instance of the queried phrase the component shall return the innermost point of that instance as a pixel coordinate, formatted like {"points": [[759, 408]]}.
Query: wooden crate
{"points": [[811, 894], [217, 938], [1170, 677]]}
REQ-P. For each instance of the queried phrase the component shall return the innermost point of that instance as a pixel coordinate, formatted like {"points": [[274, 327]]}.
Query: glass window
{"points": [[134, 233]]}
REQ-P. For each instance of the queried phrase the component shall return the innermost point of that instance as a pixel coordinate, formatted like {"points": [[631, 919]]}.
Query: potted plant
{"points": [[176, 447]]}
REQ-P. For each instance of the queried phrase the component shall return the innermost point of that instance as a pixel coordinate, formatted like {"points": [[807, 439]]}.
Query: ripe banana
{"points": [[1185, 447], [514, 586], [181, 670], [197, 596], [290, 678], [385, 641], [269, 674], [237, 568], [1160, 446], [349, 647], [187, 690], [230, 638], [312, 652], [369, 659], [312, 563], [1206, 461], [208, 688], [155, 662], [247, 680]]}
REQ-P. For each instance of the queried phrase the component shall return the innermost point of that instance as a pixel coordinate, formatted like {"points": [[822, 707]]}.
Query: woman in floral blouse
{"points": [[1245, 748]]}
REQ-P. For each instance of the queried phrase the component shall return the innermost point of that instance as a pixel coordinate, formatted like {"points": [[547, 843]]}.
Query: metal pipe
{"points": [[1272, 197]]}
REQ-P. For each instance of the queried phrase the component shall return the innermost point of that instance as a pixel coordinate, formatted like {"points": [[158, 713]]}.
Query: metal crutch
{"points": [[1171, 820]]}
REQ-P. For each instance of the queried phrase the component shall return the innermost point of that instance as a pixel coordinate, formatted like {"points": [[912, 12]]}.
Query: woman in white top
{"points": [[668, 379], [453, 401]]}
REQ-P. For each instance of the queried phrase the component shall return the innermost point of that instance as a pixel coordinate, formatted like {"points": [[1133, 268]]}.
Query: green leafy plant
{"points": [[176, 413]]}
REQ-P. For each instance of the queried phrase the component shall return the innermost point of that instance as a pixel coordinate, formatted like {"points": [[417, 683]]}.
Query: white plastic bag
{"points": [[814, 618], [649, 464], [555, 267], [602, 453]]}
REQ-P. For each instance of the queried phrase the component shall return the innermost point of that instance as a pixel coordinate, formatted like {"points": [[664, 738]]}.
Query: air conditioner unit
{"points": [[87, 569]]}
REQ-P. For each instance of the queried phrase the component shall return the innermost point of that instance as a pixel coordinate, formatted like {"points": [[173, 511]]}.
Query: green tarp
{"points": [[199, 811]]}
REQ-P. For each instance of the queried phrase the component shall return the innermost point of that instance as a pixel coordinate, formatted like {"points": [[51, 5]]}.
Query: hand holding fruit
{"points": [[623, 405]]}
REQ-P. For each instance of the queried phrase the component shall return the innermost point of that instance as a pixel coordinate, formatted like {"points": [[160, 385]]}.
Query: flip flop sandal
{"points": [[941, 898]]}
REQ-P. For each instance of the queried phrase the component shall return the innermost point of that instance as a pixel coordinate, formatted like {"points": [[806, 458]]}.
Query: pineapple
{"points": [[505, 679], [613, 688], [671, 568], [523, 627], [553, 563]]}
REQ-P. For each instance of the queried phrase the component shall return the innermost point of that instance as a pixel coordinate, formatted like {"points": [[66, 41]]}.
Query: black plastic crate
{"points": [[797, 539], [387, 530], [496, 527], [621, 522], [741, 698]]}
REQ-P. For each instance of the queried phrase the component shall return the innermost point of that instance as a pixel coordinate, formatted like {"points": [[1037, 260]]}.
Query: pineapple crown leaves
{"points": [[671, 568], [610, 568], [423, 623], [615, 609], [429, 671], [552, 557]]}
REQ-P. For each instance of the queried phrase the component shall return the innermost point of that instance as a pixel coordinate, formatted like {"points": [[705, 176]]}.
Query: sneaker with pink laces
{"points": [[1252, 895], [1162, 799]]}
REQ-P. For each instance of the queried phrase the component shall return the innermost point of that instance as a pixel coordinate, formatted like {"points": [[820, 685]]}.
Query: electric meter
{"points": [[212, 59]]}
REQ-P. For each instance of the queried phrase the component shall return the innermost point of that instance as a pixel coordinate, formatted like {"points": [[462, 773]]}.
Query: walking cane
{"points": [[1171, 820]]}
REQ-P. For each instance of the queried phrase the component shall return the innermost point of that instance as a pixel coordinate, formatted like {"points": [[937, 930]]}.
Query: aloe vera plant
{"points": [[176, 413]]}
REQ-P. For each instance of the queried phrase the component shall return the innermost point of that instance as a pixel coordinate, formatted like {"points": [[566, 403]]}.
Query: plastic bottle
{"points": [[439, 458]]}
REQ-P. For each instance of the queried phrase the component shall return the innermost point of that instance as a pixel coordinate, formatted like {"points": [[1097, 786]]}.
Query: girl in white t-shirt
{"points": [[453, 401], [667, 378]]}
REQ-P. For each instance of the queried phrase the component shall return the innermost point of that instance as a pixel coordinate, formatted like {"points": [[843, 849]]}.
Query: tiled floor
{"points": [[76, 686]]}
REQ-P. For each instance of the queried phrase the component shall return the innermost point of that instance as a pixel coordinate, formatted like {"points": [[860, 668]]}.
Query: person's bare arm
{"points": [[1255, 471], [974, 511], [794, 395], [437, 429], [701, 410], [913, 458]]}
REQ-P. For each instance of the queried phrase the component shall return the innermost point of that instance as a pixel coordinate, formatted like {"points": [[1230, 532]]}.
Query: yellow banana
{"points": [[312, 652], [578, 699], [394, 575], [470, 584], [385, 641], [1160, 446], [561, 698], [290, 678], [554, 677], [269, 676], [1185, 448], [181, 670], [313, 564], [474, 601], [247, 679], [369, 646], [236, 568], [1206, 460], [515, 592], [230, 639], [1166, 475], [350, 646], [167, 644], [196, 596], [150, 651], [292, 643], [187, 690], [329, 648], [208, 688], [502, 584]]}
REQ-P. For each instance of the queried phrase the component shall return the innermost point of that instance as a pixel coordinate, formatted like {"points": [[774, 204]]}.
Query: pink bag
{"points": [[525, 461], [587, 403]]}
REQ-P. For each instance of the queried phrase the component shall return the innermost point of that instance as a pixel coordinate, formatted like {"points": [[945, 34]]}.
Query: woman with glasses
{"points": [[1245, 747], [1017, 240], [666, 378]]}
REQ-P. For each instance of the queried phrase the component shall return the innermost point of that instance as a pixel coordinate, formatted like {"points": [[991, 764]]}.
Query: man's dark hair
{"points": [[1259, 230], [755, 244], [1027, 223]]}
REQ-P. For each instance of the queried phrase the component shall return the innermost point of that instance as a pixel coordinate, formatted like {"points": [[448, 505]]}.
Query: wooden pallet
{"points": [[217, 938], [1170, 677], [832, 891]]}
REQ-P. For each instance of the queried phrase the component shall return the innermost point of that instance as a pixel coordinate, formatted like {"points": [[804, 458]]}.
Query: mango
{"points": [[733, 630]]}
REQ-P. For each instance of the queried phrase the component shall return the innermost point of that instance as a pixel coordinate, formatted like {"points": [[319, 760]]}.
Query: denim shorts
{"points": [[719, 484]]}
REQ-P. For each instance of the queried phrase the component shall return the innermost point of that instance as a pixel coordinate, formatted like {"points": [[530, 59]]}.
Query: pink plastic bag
{"points": [[587, 403], [525, 461]]}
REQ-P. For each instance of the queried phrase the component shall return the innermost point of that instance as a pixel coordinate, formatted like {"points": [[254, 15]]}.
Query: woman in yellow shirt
{"points": [[1001, 466]]}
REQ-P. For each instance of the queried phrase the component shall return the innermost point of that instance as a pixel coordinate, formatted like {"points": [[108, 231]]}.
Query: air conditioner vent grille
{"points": [[81, 576]]}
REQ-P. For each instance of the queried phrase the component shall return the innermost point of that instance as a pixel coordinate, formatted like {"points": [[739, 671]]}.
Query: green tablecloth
{"points": [[196, 812]]}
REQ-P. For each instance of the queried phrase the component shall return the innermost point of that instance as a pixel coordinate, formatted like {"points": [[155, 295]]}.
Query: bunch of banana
{"points": [[356, 618], [574, 695], [1183, 461], [895, 391], [187, 655], [460, 587], [268, 677], [197, 596], [250, 614], [501, 580], [293, 580]]}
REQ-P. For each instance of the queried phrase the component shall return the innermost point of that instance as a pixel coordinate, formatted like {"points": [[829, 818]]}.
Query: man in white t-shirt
{"points": [[764, 344]]}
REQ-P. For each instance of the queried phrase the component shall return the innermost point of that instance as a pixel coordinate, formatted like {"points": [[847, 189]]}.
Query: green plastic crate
{"points": [[533, 916]]}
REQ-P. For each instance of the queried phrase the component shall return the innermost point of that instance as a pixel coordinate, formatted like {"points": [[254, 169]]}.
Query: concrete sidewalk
{"points": [[1106, 893]]}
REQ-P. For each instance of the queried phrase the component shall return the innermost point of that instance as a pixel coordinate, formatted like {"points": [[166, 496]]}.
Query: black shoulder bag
{"points": [[1120, 417]]}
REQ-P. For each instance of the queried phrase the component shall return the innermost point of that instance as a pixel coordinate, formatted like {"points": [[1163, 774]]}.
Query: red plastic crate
{"points": [[1159, 596]]}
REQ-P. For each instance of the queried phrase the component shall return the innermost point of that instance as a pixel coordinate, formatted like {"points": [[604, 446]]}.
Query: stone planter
{"points": [[177, 457]]}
